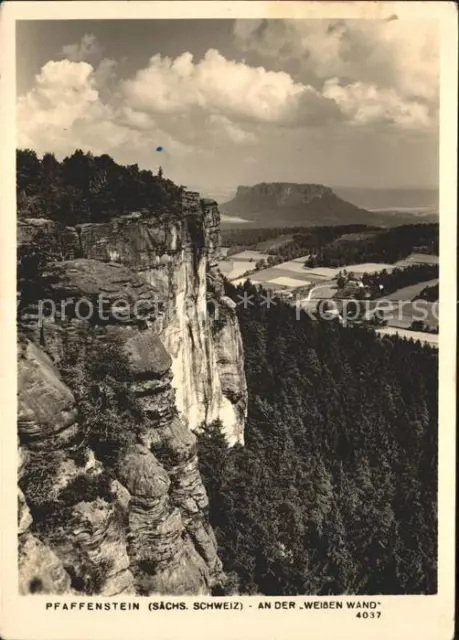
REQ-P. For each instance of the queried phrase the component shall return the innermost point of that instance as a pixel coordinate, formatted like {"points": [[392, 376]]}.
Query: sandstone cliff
{"points": [[134, 519], [276, 204]]}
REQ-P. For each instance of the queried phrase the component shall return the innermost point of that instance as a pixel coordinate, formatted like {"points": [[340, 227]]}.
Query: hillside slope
{"points": [[282, 203]]}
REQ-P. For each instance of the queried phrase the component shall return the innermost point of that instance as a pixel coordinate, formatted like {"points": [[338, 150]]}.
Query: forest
{"points": [[87, 188], [336, 246], [399, 278], [335, 490], [389, 245], [429, 293]]}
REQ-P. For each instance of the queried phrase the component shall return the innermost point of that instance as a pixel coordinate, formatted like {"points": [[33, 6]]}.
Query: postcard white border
{"points": [[420, 617]]}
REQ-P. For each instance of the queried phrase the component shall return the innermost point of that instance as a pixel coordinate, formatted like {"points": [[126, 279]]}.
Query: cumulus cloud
{"points": [[64, 110], [88, 47], [362, 75], [365, 104], [105, 72], [221, 87], [393, 53], [399, 58], [64, 92]]}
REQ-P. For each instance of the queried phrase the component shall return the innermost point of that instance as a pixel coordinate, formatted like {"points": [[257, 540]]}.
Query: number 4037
{"points": [[368, 614]]}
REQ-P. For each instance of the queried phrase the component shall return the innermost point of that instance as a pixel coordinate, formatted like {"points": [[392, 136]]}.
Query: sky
{"points": [[350, 103]]}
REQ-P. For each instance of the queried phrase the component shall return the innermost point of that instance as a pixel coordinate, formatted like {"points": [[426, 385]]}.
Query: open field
{"points": [[408, 312], [367, 267], [287, 282], [294, 267], [274, 244], [323, 291], [329, 272], [321, 273], [418, 258], [249, 256], [401, 313], [408, 293], [318, 285], [354, 237], [235, 265], [232, 269], [300, 260], [266, 275]]}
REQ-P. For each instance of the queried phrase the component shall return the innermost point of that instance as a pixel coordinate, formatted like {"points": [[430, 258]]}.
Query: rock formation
{"points": [[276, 204], [175, 255], [140, 526]]}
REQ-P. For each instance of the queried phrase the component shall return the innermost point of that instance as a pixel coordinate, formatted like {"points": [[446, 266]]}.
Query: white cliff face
{"points": [[198, 365], [188, 368], [229, 354], [174, 255], [145, 528]]}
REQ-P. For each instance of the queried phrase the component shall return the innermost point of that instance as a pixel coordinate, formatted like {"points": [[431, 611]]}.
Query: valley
{"points": [[244, 434], [307, 287]]}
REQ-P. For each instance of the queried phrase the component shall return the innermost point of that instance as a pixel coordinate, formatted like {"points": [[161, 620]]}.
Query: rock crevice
{"points": [[141, 526]]}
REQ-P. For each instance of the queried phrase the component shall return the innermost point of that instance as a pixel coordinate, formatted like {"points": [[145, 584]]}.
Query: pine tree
{"points": [[335, 488]]}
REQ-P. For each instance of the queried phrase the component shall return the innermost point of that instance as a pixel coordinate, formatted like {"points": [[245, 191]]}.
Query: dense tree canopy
{"points": [[335, 489], [87, 188], [336, 246], [388, 245], [399, 278], [430, 293]]}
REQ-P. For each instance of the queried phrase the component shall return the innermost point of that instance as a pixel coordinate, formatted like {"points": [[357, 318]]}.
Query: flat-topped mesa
{"points": [[284, 192], [274, 204]]}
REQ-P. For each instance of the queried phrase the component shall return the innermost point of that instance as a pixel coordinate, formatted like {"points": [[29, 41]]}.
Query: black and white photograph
{"points": [[227, 316]]}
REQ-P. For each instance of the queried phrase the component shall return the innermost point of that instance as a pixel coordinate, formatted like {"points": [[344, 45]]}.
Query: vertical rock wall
{"points": [[147, 531], [176, 257]]}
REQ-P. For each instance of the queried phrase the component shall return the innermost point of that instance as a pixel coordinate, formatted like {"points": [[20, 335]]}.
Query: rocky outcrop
{"points": [[47, 416], [230, 362], [57, 550], [165, 546], [168, 545], [175, 256], [40, 570], [144, 284], [164, 559]]}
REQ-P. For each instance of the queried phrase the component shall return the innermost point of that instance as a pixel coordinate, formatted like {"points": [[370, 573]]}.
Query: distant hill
{"points": [[282, 203]]}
